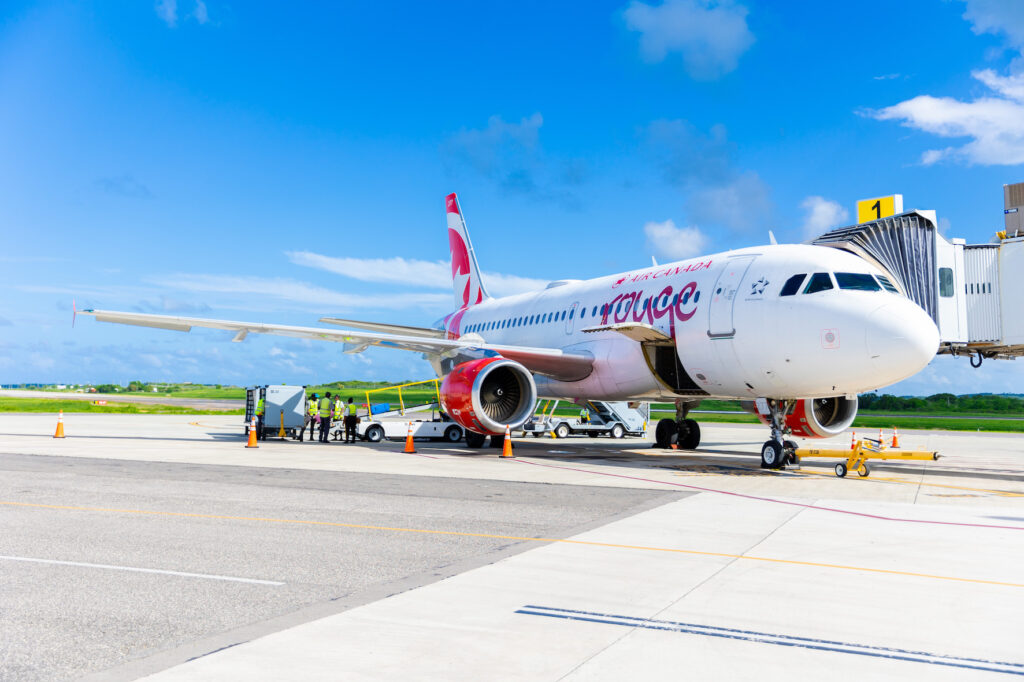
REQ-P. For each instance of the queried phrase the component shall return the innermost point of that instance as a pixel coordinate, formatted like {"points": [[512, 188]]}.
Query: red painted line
{"points": [[758, 498]]}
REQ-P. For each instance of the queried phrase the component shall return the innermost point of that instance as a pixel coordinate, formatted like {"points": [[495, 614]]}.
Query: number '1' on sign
{"points": [[879, 207]]}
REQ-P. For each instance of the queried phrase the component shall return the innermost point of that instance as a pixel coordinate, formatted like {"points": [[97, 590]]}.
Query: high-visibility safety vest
{"points": [[260, 407], [312, 409], [585, 414], [325, 407], [350, 410], [337, 409]]}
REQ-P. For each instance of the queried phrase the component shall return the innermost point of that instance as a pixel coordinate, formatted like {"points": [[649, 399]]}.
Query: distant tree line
{"points": [[942, 402]]}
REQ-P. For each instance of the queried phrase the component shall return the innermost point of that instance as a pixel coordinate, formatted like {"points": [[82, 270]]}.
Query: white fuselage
{"points": [[734, 334]]}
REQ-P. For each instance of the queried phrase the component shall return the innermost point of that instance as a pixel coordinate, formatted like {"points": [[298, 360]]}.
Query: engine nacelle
{"points": [[488, 394], [818, 417]]}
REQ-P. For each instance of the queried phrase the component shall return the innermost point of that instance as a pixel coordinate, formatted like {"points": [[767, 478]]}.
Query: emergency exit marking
{"points": [[879, 207]]}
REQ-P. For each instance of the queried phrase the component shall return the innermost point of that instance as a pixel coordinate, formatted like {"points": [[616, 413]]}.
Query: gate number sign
{"points": [[879, 207]]}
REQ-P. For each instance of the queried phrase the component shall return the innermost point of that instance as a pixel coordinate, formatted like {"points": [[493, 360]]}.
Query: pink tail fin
{"points": [[469, 288]]}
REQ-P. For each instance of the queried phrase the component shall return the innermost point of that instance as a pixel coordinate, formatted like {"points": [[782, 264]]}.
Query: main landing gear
{"points": [[778, 452], [682, 432]]}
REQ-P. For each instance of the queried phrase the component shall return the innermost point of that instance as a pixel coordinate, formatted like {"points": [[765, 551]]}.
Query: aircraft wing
{"points": [[386, 328], [552, 362]]}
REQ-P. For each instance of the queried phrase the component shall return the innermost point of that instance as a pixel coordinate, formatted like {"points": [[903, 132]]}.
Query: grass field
{"points": [[55, 404], [869, 422]]}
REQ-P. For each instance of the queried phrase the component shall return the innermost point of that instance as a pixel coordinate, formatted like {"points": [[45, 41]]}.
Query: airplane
{"points": [[796, 331]]}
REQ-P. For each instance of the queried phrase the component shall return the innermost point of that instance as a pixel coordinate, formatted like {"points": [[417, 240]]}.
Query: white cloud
{"points": [[167, 10], [710, 35], [300, 292], [674, 242], [200, 13], [997, 16], [821, 215], [742, 204], [995, 124], [410, 272]]}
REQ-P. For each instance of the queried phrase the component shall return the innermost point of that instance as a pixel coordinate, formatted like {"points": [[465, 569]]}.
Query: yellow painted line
{"points": [[428, 531]]}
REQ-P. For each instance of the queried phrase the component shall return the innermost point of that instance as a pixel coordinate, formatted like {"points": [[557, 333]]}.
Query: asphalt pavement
{"points": [[120, 568]]}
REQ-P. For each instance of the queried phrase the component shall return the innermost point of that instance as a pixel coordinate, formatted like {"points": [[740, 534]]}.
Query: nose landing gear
{"points": [[778, 451]]}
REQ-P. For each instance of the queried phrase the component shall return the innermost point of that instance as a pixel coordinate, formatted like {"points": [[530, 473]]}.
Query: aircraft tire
{"points": [[474, 439], [497, 441], [771, 455], [664, 432], [689, 437]]}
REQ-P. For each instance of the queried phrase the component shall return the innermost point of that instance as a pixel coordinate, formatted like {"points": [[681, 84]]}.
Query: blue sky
{"points": [[279, 162]]}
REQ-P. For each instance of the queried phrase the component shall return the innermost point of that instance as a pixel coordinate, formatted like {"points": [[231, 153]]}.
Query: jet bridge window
{"points": [[945, 282], [857, 281], [820, 281], [792, 284]]}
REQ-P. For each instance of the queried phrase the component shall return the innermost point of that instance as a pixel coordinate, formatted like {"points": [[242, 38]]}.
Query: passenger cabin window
{"points": [[820, 281], [945, 282], [792, 284], [886, 284], [857, 281]]}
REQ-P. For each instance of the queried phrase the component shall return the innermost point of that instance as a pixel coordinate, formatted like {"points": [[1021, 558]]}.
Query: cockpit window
{"points": [[792, 284], [820, 281], [886, 284], [858, 281]]}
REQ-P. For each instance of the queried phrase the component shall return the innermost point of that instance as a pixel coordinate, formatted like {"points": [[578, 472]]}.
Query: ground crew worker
{"points": [[310, 419], [339, 408], [584, 415], [350, 422], [325, 417], [261, 407]]}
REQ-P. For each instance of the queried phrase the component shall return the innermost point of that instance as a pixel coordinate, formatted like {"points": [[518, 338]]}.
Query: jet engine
{"points": [[817, 417], [488, 394]]}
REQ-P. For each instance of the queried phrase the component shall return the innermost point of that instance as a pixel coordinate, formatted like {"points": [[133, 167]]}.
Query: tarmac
{"points": [[160, 546]]}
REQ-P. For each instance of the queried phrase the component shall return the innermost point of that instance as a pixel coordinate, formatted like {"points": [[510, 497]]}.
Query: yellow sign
{"points": [[879, 207]]}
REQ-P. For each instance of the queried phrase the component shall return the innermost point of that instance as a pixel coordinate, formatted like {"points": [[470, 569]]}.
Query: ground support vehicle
{"points": [[377, 421], [857, 458], [394, 426], [283, 405], [614, 419]]}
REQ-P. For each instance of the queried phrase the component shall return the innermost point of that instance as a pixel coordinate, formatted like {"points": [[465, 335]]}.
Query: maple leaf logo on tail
{"points": [[469, 289]]}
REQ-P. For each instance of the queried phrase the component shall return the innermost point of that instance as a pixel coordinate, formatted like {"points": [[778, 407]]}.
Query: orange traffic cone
{"points": [[853, 440], [252, 435], [60, 425], [895, 438], [506, 449], [881, 437], [409, 447]]}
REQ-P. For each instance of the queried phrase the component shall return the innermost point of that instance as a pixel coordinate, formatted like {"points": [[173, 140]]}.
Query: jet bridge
{"points": [[972, 291]]}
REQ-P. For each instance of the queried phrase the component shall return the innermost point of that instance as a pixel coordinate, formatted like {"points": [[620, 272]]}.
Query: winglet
{"points": [[771, 238]]}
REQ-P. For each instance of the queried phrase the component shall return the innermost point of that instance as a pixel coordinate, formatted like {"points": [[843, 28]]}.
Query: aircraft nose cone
{"points": [[901, 339]]}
